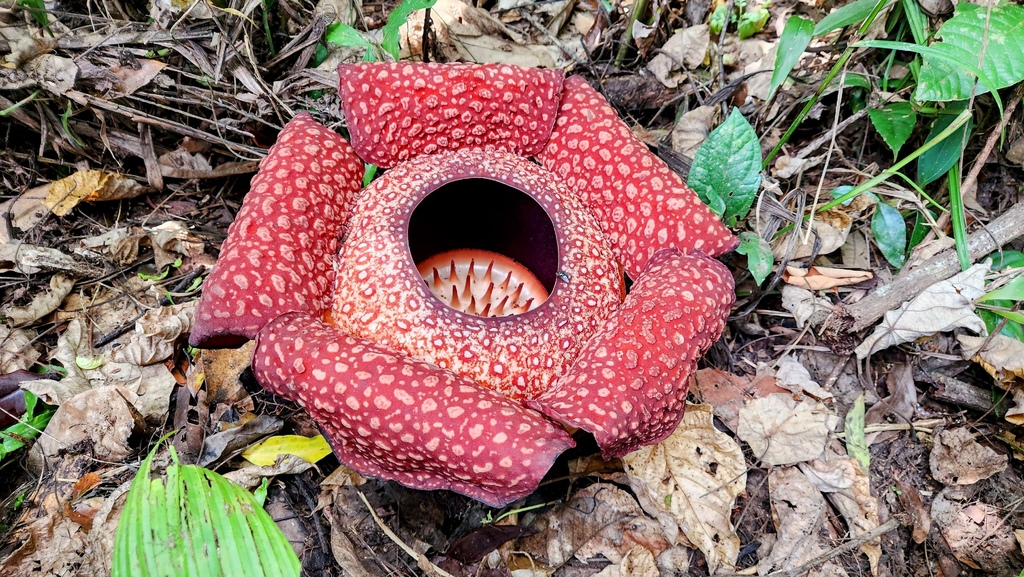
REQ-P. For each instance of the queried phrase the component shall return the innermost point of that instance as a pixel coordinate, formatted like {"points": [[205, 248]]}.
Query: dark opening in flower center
{"points": [[484, 248]]}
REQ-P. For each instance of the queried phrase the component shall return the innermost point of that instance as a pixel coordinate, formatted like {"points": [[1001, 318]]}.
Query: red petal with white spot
{"points": [[279, 251], [390, 416], [628, 386], [642, 204], [396, 111]]}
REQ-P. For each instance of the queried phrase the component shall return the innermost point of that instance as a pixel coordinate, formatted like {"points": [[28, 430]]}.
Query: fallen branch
{"points": [[837, 330]]}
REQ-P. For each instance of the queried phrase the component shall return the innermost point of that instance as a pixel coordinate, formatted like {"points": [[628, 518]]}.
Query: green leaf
{"points": [[937, 161], [1012, 329], [895, 123], [759, 255], [795, 37], [1007, 259], [1013, 291], [890, 232], [919, 231], [726, 171], [37, 9], [751, 23], [856, 441], [852, 13], [28, 427], [917, 21], [399, 16], [1015, 316], [88, 364], [964, 36], [344, 35], [194, 522], [369, 171]]}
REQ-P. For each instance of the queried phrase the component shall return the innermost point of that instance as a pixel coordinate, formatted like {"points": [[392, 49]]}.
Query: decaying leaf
{"points": [[847, 486], [691, 480], [156, 334], [601, 519], [252, 475], [942, 307], [798, 512], [822, 278], [794, 377], [103, 415], [692, 129], [132, 78], [172, 240], [121, 245], [638, 562], [958, 459], [42, 304], [783, 431], [686, 47], [89, 186], [830, 227], [727, 392], [1002, 356], [26, 258], [900, 404], [976, 532], [804, 305], [16, 350]]}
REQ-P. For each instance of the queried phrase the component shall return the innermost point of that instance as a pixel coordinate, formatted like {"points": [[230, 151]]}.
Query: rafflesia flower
{"points": [[444, 323]]}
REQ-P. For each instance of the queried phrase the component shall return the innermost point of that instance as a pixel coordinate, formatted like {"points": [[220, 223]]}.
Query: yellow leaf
{"points": [[310, 449], [89, 185]]}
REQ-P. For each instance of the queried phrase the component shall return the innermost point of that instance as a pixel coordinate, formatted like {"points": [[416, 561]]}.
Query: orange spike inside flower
{"points": [[482, 283]]}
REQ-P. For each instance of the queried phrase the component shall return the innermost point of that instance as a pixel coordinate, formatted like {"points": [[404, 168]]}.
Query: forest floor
{"points": [[129, 140]]}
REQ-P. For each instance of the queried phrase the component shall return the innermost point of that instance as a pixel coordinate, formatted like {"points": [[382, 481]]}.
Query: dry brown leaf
{"points": [[26, 210], [795, 378], [847, 486], [30, 259], [900, 404], [942, 307], [691, 481], [783, 431], [976, 532], [958, 459], [156, 334], [638, 562], [16, 350], [798, 512], [42, 304], [55, 74], [819, 278], [830, 227], [250, 476], [120, 245], [805, 306], [89, 186], [102, 415], [172, 240], [1015, 414], [686, 47], [727, 392], [692, 129], [601, 519], [1002, 357], [139, 74]]}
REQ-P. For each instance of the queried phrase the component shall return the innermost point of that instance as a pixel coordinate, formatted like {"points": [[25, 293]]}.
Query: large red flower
{"points": [[441, 324]]}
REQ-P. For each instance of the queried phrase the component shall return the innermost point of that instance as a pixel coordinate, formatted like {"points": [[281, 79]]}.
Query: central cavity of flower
{"points": [[484, 248], [482, 283]]}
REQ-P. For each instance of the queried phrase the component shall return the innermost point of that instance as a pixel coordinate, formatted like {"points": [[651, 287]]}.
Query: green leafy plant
{"points": [[37, 415], [856, 441], [795, 37], [340, 34], [749, 20], [193, 522]]}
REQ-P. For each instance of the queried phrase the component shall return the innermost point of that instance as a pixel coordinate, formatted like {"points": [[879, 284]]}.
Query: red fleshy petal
{"points": [[396, 111], [393, 417], [279, 251], [642, 204], [628, 386]]}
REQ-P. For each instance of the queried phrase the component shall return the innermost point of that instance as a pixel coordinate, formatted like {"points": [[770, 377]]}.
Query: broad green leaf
{"points": [[852, 13], [28, 427], [751, 23], [1013, 291], [937, 161], [1015, 316], [399, 16], [856, 442], [341, 34], [369, 171], [193, 522], [795, 37], [726, 171], [919, 231], [964, 38], [895, 123], [890, 232], [310, 449], [758, 253], [1007, 259], [1012, 329]]}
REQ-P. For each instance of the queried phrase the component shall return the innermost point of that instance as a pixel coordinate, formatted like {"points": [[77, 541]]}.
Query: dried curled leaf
{"points": [[692, 479], [89, 186]]}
